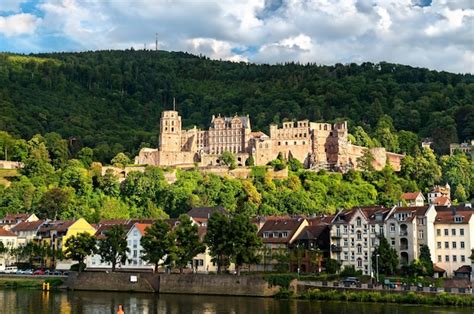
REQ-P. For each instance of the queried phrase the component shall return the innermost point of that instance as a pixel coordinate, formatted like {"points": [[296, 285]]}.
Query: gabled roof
{"points": [[438, 269], [27, 226], [15, 217], [6, 233], [58, 225], [141, 227], [311, 232], [369, 212], [442, 201], [289, 225], [205, 212], [410, 196]]}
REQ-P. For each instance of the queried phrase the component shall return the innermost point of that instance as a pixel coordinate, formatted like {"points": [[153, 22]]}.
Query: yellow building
{"points": [[54, 234]]}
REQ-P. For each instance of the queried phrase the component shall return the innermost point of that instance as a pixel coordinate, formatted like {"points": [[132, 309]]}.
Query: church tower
{"points": [[170, 131]]}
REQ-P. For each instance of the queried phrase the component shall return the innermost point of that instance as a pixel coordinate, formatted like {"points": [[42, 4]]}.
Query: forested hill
{"points": [[112, 100]]}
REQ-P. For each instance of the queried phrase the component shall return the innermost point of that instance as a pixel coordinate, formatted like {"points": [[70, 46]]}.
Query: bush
{"points": [[349, 271], [281, 280]]}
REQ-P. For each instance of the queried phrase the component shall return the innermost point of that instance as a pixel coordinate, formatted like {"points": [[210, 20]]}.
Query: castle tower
{"points": [[170, 131]]}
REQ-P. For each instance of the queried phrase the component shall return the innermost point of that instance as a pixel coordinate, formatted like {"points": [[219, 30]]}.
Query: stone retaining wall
{"points": [[118, 281]]}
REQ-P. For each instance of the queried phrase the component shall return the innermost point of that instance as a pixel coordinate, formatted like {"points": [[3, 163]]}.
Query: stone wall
{"points": [[216, 285], [108, 281]]}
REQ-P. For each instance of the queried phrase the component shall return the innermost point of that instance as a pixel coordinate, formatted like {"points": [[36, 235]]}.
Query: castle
{"points": [[316, 145]]}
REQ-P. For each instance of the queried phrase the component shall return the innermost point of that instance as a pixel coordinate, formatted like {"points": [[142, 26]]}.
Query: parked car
{"points": [[11, 269], [20, 272], [57, 273], [39, 272], [28, 272], [351, 281]]}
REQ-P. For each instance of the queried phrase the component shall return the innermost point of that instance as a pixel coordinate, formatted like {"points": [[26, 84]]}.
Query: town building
{"points": [[408, 228], [316, 145], [466, 147], [27, 231], [440, 195], [453, 237], [412, 199], [278, 236], [355, 234], [10, 220], [55, 234], [6, 164], [9, 241]]}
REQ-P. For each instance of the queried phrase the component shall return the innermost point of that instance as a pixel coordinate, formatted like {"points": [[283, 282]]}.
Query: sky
{"points": [[436, 34]]}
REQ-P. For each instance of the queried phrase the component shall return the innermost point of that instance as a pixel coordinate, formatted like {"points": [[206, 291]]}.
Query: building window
{"points": [[392, 228], [359, 249], [285, 234], [373, 229], [461, 231], [463, 258], [454, 258], [345, 229], [462, 244], [359, 222], [454, 244], [265, 234], [359, 262], [438, 232], [346, 256], [346, 242], [420, 234], [446, 232], [439, 259], [359, 235], [446, 258], [458, 219], [135, 242], [439, 245], [446, 245], [453, 232], [393, 241]]}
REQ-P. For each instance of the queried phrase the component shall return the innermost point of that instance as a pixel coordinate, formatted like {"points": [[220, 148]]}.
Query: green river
{"points": [[38, 302]]}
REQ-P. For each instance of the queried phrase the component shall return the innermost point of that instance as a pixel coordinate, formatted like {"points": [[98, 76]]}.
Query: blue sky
{"points": [[437, 34]]}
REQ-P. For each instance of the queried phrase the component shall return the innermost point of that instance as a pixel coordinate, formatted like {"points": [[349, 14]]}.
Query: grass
{"points": [[401, 298], [8, 173], [27, 59], [30, 282]]}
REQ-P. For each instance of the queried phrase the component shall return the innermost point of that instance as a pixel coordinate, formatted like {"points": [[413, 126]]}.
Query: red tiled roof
{"points": [[205, 212], [14, 217], [141, 227], [438, 269], [442, 201], [447, 216], [410, 195], [369, 212], [465, 269], [27, 226], [6, 233], [311, 232]]}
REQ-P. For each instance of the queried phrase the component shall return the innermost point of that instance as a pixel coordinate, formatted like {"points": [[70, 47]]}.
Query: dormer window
{"points": [[284, 234], [265, 234], [458, 218]]}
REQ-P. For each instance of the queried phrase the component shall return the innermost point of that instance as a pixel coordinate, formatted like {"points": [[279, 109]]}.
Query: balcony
{"points": [[336, 236], [335, 248], [403, 233], [403, 247]]}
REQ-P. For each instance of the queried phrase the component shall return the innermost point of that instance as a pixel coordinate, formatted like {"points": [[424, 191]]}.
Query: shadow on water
{"points": [[34, 301]]}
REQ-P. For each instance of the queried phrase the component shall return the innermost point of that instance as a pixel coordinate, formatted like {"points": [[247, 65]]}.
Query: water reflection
{"points": [[34, 301]]}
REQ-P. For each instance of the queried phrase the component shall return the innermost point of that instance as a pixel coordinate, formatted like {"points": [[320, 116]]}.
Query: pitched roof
{"points": [[370, 213], [15, 217], [311, 232], [411, 195], [465, 269], [289, 225], [205, 212], [438, 269], [446, 215], [27, 226], [6, 233], [141, 227], [442, 201]]}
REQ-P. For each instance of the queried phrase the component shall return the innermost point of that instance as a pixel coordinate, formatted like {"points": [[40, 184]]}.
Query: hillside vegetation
{"points": [[111, 100]]}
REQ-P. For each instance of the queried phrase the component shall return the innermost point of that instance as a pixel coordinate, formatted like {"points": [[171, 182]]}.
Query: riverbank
{"points": [[30, 282], [442, 298]]}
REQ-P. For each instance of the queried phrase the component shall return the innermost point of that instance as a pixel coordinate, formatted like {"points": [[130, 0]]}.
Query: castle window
{"points": [[286, 143], [325, 127], [172, 122], [304, 134], [172, 129], [295, 142], [166, 129], [304, 143]]}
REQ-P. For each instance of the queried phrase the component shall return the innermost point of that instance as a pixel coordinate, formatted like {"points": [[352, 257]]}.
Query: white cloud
{"points": [[11, 5], [439, 36], [18, 24]]}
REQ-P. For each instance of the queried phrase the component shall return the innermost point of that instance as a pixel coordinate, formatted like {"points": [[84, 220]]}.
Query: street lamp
{"points": [[377, 266]]}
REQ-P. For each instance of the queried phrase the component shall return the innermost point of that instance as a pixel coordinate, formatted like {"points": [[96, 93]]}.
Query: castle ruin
{"points": [[316, 145]]}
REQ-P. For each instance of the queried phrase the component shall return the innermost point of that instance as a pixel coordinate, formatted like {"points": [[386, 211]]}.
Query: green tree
{"points": [[250, 162], [158, 244], [460, 193], [187, 242], [79, 246], [387, 257], [332, 266], [366, 161], [229, 159], [56, 202], [425, 259], [120, 160], [86, 156], [245, 242], [219, 240], [113, 248]]}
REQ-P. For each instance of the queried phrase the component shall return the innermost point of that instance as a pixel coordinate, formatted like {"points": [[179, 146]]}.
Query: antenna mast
{"points": [[174, 104], [156, 42]]}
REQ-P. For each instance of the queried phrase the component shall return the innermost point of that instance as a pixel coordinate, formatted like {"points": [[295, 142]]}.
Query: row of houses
{"points": [[349, 236]]}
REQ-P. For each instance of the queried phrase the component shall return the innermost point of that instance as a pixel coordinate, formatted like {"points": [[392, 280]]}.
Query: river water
{"points": [[64, 302]]}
